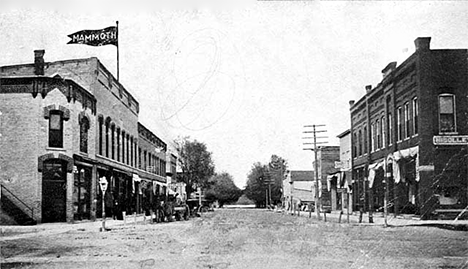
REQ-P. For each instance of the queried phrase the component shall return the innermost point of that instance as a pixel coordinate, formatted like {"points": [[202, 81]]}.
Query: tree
{"points": [[223, 189], [276, 170], [256, 188], [195, 162], [263, 178]]}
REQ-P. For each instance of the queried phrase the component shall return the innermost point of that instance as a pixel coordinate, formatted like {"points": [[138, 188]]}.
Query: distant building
{"points": [[297, 185], [410, 136], [327, 157], [339, 182]]}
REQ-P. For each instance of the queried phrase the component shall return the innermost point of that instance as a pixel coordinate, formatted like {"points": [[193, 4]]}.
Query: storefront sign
{"points": [[450, 140], [425, 168], [342, 164]]}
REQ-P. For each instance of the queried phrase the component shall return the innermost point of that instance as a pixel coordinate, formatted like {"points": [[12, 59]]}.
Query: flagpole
{"points": [[117, 23]]}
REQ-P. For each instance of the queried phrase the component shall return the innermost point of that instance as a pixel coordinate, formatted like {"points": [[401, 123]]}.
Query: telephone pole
{"points": [[315, 143]]}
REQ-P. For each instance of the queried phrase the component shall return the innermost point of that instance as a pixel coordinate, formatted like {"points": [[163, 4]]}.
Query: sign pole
{"points": [[103, 184], [117, 23], [103, 212]]}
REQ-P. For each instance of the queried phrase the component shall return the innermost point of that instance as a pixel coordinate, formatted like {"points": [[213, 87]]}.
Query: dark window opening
{"points": [[56, 129], [84, 127]]}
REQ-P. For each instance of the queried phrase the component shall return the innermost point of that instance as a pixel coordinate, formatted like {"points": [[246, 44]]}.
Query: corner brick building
{"points": [[410, 136], [65, 125]]}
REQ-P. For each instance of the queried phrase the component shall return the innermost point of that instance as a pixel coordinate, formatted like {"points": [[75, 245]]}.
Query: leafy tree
{"points": [[256, 188], [276, 170], [223, 189], [195, 162], [261, 177]]}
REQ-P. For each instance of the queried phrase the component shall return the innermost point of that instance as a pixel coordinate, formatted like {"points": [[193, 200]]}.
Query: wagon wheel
{"points": [[187, 213], [203, 209]]}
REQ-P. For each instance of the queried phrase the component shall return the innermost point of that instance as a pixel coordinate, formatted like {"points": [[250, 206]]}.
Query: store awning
{"points": [[372, 169], [404, 154], [136, 178]]}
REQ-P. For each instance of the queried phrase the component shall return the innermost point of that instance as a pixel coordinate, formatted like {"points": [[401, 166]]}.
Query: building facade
{"points": [[409, 136], [327, 156], [297, 189], [339, 182], [66, 125]]}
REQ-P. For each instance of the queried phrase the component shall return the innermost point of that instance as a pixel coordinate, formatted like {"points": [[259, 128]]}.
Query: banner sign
{"points": [[106, 36]]}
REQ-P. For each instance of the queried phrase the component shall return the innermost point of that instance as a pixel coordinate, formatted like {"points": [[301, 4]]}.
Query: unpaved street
{"points": [[242, 239]]}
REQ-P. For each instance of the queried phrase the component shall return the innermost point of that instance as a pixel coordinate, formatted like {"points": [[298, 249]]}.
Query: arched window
{"points": [[113, 142], [56, 129], [84, 127]]}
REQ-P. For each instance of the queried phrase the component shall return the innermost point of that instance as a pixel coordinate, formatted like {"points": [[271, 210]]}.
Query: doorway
{"points": [[54, 190]]}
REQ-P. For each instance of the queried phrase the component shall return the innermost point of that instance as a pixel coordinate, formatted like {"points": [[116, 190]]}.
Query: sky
{"points": [[242, 78]]}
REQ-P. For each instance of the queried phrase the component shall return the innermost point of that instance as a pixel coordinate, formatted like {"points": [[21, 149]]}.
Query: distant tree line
{"points": [[198, 171]]}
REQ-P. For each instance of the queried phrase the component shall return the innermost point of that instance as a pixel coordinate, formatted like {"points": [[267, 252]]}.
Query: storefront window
{"points": [[81, 193]]}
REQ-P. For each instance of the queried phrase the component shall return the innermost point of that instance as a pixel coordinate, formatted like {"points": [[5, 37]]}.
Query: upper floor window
{"points": [[140, 165], [378, 132], [399, 124], [84, 127], [100, 135], [390, 129], [113, 142], [354, 145], [372, 130], [415, 115], [365, 139], [56, 129], [407, 121], [360, 143], [382, 122], [447, 121]]}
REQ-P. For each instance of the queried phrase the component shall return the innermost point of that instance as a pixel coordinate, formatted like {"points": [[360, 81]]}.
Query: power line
{"points": [[315, 143]]}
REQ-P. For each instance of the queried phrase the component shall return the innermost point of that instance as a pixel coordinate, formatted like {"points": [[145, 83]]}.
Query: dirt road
{"points": [[242, 239]]}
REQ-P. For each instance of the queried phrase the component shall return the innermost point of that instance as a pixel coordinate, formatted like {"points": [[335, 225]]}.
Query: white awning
{"points": [[402, 154], [372, 169], [136, 178]]}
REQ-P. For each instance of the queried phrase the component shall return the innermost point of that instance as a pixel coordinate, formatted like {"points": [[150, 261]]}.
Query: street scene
{"points": [[251, 134], [238, 238]]}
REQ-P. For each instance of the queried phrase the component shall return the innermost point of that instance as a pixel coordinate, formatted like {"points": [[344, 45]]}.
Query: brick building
{"points": [[64, 126], [409, 135], [327, 156]]}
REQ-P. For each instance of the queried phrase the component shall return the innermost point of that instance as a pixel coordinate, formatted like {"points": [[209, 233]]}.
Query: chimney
{"points": [[388, 69], [39, 62], [422, 43], [368, 88], [351, 103]]}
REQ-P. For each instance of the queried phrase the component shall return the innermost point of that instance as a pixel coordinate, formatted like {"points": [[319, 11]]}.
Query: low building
{"points": [[298, 188]]}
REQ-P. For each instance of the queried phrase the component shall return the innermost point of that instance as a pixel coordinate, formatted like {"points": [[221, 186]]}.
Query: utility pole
{"points": [[315, 143]]}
